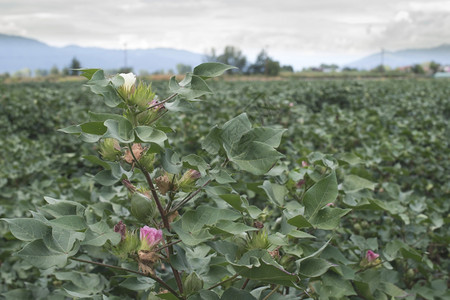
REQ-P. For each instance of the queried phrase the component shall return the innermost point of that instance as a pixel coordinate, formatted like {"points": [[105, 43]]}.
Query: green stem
{"points": [[224, 281], [176, 274], [154, 277], [272, 292]]}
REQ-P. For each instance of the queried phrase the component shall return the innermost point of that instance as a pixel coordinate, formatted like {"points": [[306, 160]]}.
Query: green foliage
{"points": [[297, 218]]}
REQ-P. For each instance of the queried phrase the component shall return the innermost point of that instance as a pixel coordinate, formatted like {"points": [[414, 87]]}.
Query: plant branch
{"points": [[224, 281], [176, 274], [272, 292], [167, 245], [189, 197], [154, 277], [160, 103]]}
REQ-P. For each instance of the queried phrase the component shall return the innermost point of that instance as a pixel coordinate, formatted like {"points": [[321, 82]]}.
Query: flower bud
{"points": [[142, 95], [258, 240], [137, 152], [142, 207], [128, 86], [150, 237], [192, 283], [110, 149], [164, 183], [121, 229], [147, 161], [371, 256], [187, 182]]}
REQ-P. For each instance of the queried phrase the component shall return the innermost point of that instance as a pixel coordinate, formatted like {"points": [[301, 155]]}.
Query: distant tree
{"points": [[349, 69], [417, 69], [211, 56], [22, 73], [234, 57], [287, 69], [144, 73], [125, 70], [434, 66], [65, 71], [54, 71], [182, 68], [379, 68], [329, 67], [265, 65], [75, 64], [40, 72]]}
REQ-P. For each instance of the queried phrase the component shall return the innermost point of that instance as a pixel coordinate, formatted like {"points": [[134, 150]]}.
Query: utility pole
{"points": [[382, 60]]}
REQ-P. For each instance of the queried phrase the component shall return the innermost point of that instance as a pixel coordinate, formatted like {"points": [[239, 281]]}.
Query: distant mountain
{"points": [[17, 53], [407, 57]]}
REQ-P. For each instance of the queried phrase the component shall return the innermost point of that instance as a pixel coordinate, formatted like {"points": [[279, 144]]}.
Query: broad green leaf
{"points": [[193, 161], [230, 227], [171, 162], [234, 293], [69, 222], [88, 73], [328, 218], [300, 235], [37, 254], [99, 233], [212, 69], [353, 183], [266, 135], [299, 221], [121, 130], [234, 200], [204, 295], [275, 192], [137, 283], [96, 160], [258, 265], [62, 240], [212, 142], [195, 89], [233, 130], [27, 229], [221, 176], [95, 128], [254, 157], [392, 290], [349, 158], [106, 178], [149, 134], [73, 129], [314, 267], [320, 194]]}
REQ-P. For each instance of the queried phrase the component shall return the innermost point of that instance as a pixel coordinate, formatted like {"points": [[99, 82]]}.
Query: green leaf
{"points": [[230, 227], [254, 157], [149, 134], [314, 267], [320, 194], [234, 293], [121, 130], [73, 129], [195, 89], [299, 221], [62, 240], [37, 254], [354, 183], [106, 178], [99, 233], [137, 283], [258, 265], [193, 161], [233, 130], [300, 235], [97, 161], [204, 295], [70, 223], [102, 117], [275, 192], [392, 290], [212, 69], [88, 73], [95, 128], [328, 218], [171, 162], [212, 142], [27, 229], [234, 200]]}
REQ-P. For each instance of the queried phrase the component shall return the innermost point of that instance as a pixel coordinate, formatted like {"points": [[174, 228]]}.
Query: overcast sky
{"points": [[298, 32]]}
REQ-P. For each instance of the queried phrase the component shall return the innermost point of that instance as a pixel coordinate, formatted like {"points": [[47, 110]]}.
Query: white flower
{"points": [[130, 80]]}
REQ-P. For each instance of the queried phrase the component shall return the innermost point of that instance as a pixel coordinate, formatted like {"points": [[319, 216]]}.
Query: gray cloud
{"points": [[331, 27]]}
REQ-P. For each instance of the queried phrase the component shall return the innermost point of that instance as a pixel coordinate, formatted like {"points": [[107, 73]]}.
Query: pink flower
{"points": [[150, 236], [291, 104], [371, 256], [304, 164], [330, 204], [300, 183]]}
